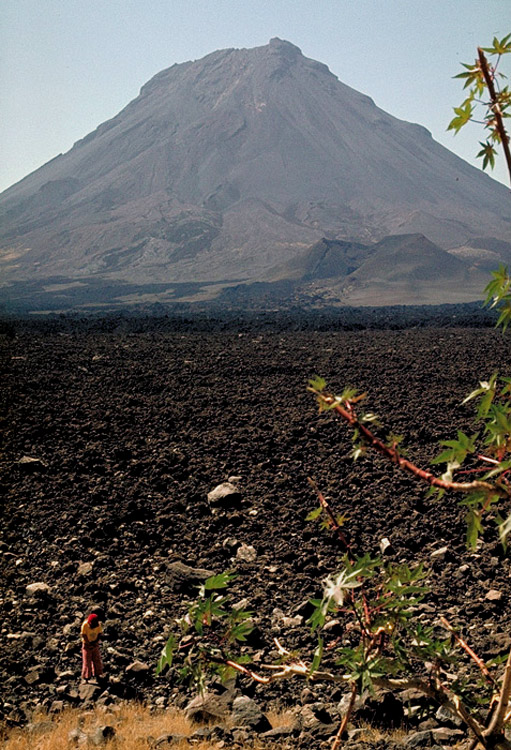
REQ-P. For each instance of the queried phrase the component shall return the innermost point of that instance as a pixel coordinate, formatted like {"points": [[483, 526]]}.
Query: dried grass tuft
{"points": [[133, 724]]}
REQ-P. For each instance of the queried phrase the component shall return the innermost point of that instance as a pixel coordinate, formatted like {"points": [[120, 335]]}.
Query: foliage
{"points": [[488, 98], [206, 634]]}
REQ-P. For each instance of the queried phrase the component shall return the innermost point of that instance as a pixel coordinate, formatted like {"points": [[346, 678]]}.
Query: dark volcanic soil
{"points": [[133, 431]]}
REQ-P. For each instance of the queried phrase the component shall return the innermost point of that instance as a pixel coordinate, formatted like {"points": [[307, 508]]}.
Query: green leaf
{"points": [[314, 514], [499, 47], [504, 529], [318, 655], [474, 528], [488, 154], [463, 115], [457, 450], [220, 581], [167, 655], [317, 384], [318, 617], [240, 632]]}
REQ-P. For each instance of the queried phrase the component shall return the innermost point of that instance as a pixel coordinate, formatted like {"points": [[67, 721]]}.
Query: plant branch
{"points": [[480, 663], [328, 510], [432, 688], [346, 412], [344, 723], [495, 107], [497, 722]]}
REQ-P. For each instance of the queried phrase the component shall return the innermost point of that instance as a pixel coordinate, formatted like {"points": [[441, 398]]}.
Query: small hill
{"points": [[409, 269], [326, 259]]}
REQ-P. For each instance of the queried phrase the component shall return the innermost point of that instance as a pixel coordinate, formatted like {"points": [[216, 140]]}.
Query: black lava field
{"points": [[131, 431]]}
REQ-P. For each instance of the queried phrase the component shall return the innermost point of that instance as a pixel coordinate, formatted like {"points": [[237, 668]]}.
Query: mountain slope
{"points": [[227, 167]]}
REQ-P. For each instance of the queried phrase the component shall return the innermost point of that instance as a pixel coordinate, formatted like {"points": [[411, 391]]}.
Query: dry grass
{"points": [[281, 718], [373, 735], [133, 724]]}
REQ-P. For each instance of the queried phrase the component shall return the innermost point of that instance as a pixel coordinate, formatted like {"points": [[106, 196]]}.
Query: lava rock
{"points": [[225, 495], [206, 708], [184, 578], [38, 589], [246, 713]]}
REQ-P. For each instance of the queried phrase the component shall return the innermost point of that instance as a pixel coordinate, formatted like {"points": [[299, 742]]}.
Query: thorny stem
{"points": [[495, 107], [347, 413], [328, 510], [480, 663], [433, 688]]}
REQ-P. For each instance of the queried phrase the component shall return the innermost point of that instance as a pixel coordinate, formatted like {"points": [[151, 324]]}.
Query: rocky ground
{"points": [[130, 432]]}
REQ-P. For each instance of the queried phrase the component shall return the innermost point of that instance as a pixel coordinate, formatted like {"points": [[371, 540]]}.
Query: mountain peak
{"points": [[284, 47], [226, 167]]}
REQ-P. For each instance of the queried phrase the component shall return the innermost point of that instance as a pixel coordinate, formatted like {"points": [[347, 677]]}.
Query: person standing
{"points": [[92, 664]]}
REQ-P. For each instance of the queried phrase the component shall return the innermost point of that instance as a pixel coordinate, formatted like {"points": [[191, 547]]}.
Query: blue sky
{"points": [[68, 65]]}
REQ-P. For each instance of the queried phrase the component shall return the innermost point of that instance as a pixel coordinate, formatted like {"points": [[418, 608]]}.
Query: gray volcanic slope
{"points": [[228, 167]]}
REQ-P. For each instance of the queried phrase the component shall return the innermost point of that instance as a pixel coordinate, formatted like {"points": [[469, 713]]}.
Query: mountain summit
{"points": [[227, 168]]}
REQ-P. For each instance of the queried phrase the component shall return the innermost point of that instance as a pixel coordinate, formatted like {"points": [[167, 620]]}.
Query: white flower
{"points": [[336, 589]]}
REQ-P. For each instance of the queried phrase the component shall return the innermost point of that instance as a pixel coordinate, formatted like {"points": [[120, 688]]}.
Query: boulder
{"points": [[29, 463], [211, 734], [77, 737], [39, 588], [493, 595], [224, 494], [206, 708], [184, 578], [138, 668], [40, 727], [101, 735], [419, 739], [278, 733], [85, 569], [246, 713], [88, 691]]}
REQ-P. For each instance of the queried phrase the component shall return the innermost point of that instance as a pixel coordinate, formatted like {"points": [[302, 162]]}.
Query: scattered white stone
{"points": [[85, 568], [37, 588], [292, 622], [242, 604], [230, 541], [223, 492], [384, 545], [439, 552], [493, 595], [331, 624], [138, 667], [246, 552], [30, 460]]}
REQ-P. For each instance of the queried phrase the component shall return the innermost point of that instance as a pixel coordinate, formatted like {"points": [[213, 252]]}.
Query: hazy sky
{"points": [[68, 65]]}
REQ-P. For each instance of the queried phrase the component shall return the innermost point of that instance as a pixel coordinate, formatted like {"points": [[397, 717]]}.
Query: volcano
{"points": [[226, 169]]}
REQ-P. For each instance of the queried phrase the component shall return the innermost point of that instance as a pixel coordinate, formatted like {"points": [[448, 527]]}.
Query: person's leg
{"points": [[86, 664], [97, 662]]}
